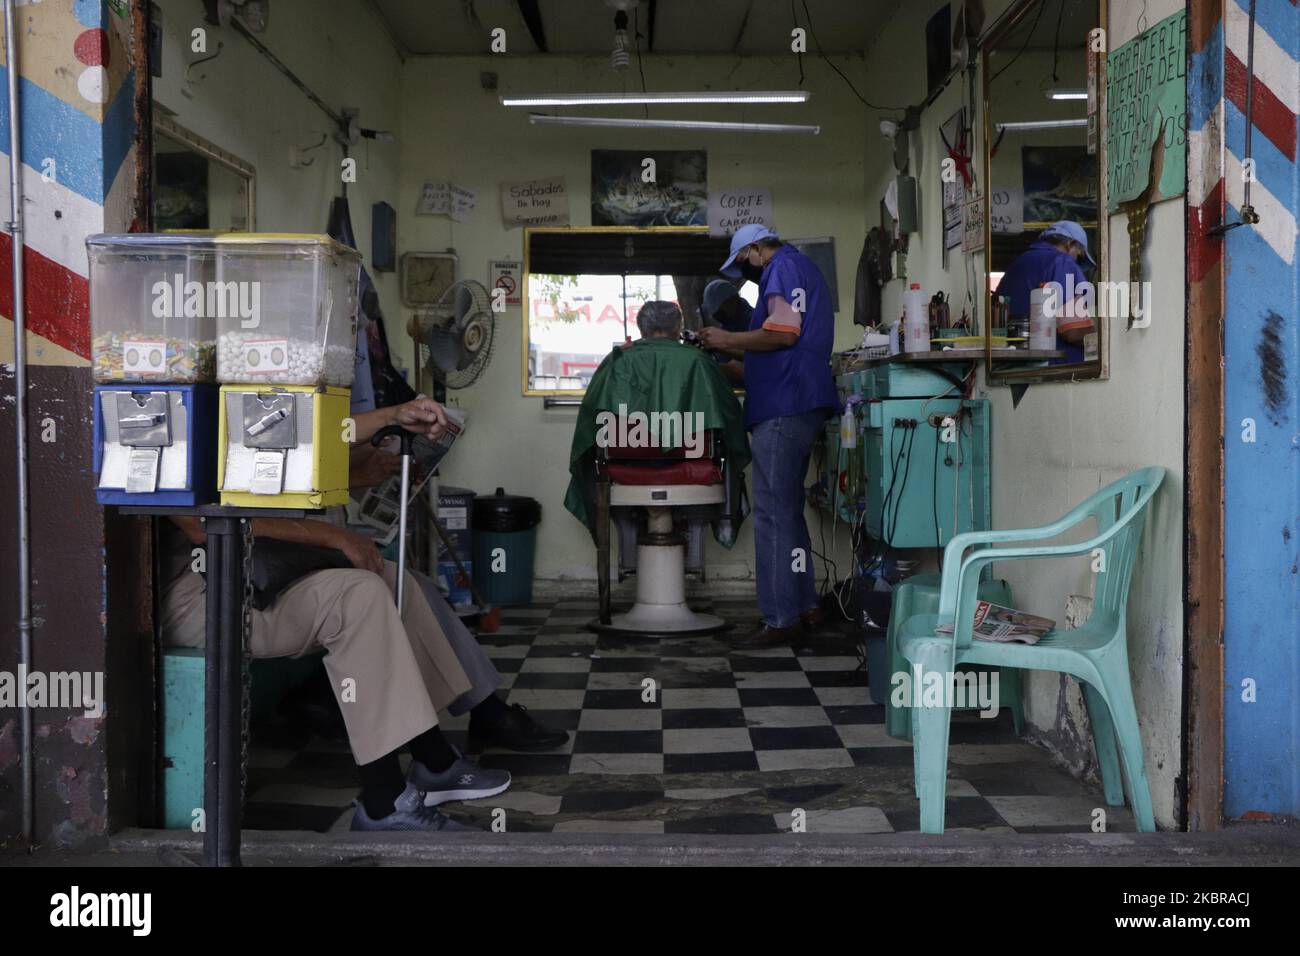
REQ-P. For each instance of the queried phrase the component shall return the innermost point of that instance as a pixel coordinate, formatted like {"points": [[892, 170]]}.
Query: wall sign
{"points": [[535, 202], [506, 274], [1007, 209], [972, 227], [1146, 113], [729, 209], [444, 198]]}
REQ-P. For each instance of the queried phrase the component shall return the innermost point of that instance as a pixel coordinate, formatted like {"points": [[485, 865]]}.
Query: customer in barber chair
{"points": [[658, 373], [391, 672]]}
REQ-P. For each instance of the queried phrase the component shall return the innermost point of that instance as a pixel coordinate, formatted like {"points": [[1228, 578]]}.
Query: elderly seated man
{"points": [[391, 672], [658, 393]]}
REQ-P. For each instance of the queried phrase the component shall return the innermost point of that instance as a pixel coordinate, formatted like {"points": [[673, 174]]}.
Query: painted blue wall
{"points": [[1262, 477]]}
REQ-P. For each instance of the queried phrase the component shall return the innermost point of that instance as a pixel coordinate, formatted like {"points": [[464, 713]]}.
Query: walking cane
{"points": [[406, 440]]}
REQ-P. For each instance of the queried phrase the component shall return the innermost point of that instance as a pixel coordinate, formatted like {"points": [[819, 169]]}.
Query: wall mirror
{"points": [[197, 184], [1044, 164], [583, 287]]}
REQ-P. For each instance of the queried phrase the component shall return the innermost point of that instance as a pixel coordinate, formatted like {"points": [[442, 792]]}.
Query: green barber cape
{"points": [[659, 375]]}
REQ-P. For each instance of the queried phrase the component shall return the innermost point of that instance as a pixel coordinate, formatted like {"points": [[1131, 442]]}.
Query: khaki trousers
{"points": [[391, 675]]}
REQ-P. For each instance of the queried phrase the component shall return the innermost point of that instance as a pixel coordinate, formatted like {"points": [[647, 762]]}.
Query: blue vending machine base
{"points": [[184, 430]]}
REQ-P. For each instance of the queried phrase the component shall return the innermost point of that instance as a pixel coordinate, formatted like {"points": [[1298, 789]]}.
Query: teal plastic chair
{"points": [[919, 594], [1096, 653]]}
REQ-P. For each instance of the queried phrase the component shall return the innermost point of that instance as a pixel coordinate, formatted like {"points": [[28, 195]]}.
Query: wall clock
{"points": [[426, 276]]}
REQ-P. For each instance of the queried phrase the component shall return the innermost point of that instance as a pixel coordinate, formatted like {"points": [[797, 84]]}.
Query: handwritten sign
{"points": [[972, 225], [435, 199], [448, 199], [536, 202], [463, 202], [729, 209], [1146, 108], [1007, 209]]}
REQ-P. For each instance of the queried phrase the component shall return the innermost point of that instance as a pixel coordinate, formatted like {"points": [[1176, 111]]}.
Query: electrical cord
{"points": [[907, 470], [640, 68], [799, 52], [934, 495], [1032, 27], [812, 33], [1056, 42], [894, 460]]}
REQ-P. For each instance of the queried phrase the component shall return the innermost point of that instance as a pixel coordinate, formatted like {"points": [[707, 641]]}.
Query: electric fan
{"points": [[455, 334]]}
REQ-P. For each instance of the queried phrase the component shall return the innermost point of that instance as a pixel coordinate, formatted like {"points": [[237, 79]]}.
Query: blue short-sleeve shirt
{"points": [[1041, 262], [794, 380]]}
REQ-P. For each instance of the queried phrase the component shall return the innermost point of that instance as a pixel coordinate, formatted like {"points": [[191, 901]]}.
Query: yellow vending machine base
{"points": [[315, 454]]}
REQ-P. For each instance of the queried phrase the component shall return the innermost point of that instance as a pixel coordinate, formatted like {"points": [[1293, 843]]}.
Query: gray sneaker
{"points": [[409, 813], [461, 781]]}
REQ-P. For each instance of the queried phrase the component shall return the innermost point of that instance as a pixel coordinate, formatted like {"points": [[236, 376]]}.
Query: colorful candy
{"points": [[143, 357]]}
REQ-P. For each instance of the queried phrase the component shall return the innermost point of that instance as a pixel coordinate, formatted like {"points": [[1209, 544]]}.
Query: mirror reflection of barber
{"points": [[722, 307], [1054, 257]]}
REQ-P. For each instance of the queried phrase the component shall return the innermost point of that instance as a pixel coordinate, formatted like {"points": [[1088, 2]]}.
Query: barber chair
{"points": [[661, 503]]}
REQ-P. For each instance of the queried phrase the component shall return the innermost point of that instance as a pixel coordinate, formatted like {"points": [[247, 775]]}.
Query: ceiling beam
{"points": [[401, 51], [532, 14]]}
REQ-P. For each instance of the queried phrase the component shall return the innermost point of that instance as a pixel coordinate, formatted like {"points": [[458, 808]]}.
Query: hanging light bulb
{"points": [[620, 59]]}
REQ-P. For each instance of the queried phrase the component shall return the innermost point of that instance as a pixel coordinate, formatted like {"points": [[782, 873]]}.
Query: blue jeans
{"points": [[783, 558]]}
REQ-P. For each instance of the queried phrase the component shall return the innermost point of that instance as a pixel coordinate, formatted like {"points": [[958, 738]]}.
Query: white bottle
{"points": [[1042, 325], [916, 320], [848, 428]]}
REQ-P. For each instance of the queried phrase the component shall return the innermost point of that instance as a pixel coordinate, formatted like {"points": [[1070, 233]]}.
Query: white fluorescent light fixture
{"points": [[1042, 124], [1067, 94], [642, 99], [720, 126]]}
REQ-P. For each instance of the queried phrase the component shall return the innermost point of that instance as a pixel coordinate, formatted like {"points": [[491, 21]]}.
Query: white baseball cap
{"points": [[744, 236]]}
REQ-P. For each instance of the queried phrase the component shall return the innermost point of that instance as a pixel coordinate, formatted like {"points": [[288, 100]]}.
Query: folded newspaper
{"points": [[378, 508], [993, 622]]}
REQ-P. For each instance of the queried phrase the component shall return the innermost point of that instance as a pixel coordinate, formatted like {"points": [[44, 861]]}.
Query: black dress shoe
{"points": [[767, 636], [516, 730]]}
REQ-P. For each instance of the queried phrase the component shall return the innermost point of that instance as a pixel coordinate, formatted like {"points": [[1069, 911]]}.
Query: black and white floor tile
{"points": [[684, 735]]}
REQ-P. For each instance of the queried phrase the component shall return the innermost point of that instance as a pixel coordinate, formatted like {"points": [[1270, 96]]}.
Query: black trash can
{"points": [[505, 541]]}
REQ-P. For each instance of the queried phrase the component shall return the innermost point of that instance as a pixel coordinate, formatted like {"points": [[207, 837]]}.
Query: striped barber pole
{"points": [[1252, 270]]}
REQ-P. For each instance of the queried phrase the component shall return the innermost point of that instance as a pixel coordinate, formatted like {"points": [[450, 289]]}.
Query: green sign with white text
{"points": [[1146, 113]]}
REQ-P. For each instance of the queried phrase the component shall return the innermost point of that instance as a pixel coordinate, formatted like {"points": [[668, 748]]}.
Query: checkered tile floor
{"points": [[731, 742]]}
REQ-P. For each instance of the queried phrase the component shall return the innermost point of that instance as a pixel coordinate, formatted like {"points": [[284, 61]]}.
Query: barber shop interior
{"points": [[748, 419]]}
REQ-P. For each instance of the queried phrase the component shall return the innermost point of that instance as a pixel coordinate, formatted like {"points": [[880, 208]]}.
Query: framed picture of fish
{"points": [[666, 187]]}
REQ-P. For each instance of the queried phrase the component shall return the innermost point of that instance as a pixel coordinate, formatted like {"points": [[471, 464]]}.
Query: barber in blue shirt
{"points": [[789, 394], [1054, 258]]}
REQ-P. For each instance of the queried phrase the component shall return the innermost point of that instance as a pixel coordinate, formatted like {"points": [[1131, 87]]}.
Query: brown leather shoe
{"points": [[767, 636], [813, 619]]}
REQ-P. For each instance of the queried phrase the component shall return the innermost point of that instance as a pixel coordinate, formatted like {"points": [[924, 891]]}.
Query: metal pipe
{"points": [[16, 247], [293, 78], [1246, 208]]}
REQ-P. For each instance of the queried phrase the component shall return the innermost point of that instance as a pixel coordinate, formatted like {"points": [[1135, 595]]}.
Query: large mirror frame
{"points": [[166, 126], [1082, 371], [526, 305]]}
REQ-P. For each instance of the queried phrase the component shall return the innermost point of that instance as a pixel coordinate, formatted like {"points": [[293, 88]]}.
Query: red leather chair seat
{"points": [[690, 471]]}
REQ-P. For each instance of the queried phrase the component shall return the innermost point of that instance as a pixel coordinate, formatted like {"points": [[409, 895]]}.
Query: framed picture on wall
{"points": [[1060, 182], [672, 191]]}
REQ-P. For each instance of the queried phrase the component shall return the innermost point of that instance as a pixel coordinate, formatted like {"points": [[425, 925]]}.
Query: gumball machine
{"points": [[153, 354], [285, 363]]}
